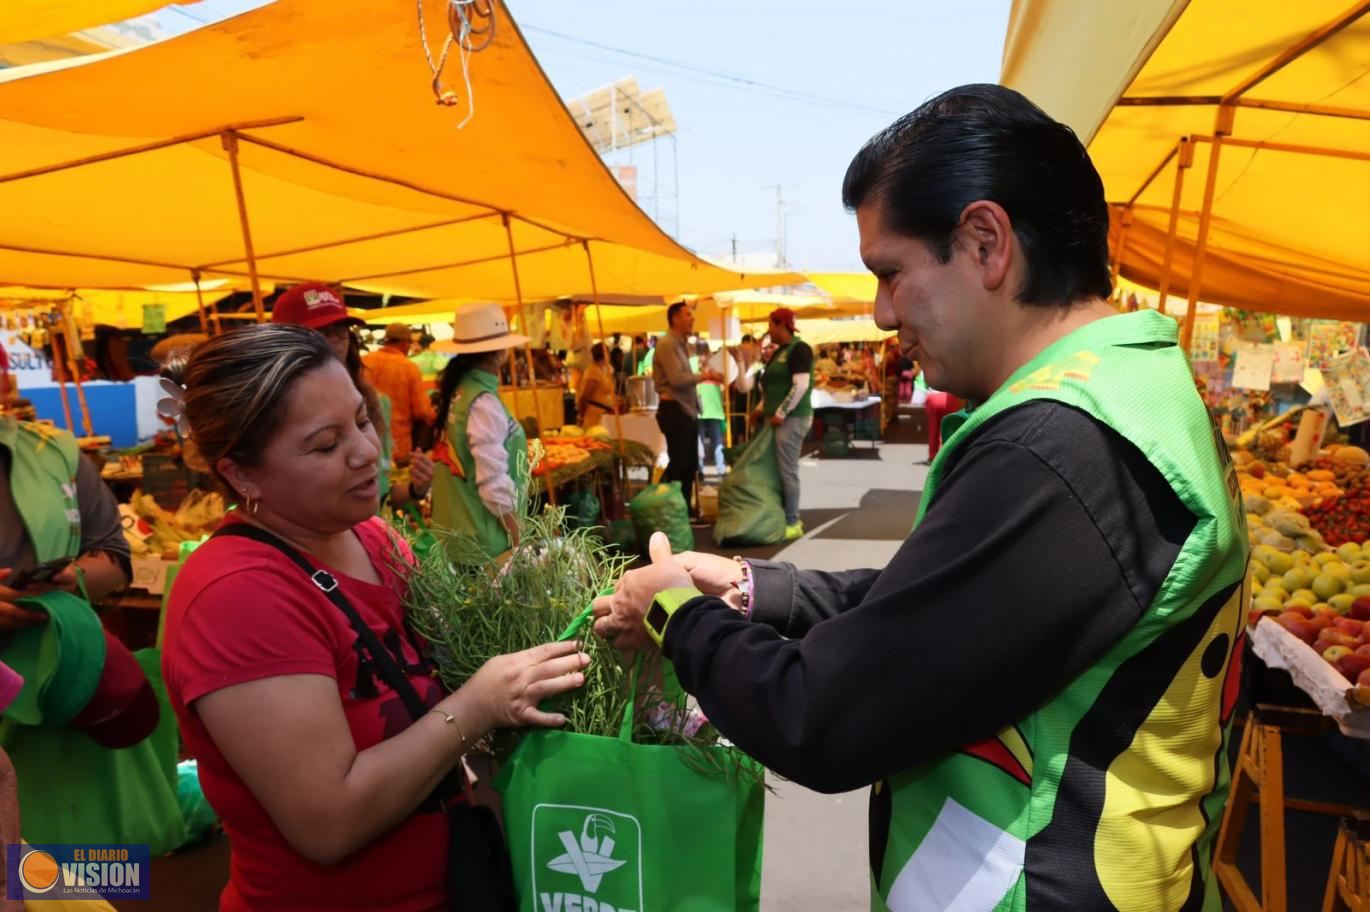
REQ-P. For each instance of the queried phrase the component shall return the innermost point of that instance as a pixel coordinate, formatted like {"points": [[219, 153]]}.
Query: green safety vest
{"points": [[776, 382], [710, 396], [1109, 796], [456, 500], [43, 463]]}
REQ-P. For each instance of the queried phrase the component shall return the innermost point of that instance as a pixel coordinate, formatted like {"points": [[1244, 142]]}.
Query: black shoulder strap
{"points": [[385, 663]]}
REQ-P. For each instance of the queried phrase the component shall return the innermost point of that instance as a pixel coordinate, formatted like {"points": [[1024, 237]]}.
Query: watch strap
{"points": [[664, 606]]}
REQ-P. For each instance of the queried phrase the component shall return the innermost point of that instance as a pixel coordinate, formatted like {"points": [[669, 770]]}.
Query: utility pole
{"points": [[734, 247], [779, 225]]}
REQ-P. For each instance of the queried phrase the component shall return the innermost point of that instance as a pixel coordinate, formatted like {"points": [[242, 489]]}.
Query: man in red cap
{"points": [[786, 392], [393, 374]]}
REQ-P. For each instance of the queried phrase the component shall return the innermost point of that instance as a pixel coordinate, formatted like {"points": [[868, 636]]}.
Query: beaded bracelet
{"points": [[744, 586]]}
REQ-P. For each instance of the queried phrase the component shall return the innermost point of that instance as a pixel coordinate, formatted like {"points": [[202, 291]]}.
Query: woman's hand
{"points": [[508, 688], [420, 474]]}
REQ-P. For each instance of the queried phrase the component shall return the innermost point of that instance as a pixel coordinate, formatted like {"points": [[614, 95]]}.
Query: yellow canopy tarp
{"points": [[28, 20], [829, 331], [122, 309], [350, 172], [1288, 230]]}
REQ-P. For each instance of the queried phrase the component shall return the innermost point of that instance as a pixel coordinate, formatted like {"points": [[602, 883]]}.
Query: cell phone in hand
{"points": [[42, 573]]}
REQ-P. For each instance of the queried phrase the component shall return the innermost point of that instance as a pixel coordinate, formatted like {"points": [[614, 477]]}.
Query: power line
{"points": [[718, 76]]}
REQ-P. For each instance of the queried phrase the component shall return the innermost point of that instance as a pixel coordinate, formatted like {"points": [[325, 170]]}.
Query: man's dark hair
{"points": [[426, 340], [672, 311], [748, 339], [986, 142]]}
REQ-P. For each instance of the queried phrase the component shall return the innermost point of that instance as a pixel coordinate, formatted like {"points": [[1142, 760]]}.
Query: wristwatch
{"points": [[666, 603]]}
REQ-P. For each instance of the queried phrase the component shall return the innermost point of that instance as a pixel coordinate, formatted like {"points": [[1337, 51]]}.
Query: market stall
{"points": [[1231, 142]]}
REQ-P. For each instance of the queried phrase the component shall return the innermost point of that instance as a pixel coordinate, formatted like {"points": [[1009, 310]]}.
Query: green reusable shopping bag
{"points": [[609, 825], [662, 508], [751, 510]]}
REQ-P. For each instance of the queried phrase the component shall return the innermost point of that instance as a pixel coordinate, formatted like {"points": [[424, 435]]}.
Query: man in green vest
{"points": [[786, 393], [1037, 686]]}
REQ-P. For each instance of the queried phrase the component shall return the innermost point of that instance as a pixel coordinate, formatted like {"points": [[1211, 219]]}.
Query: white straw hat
{"points": [[479, 328]]}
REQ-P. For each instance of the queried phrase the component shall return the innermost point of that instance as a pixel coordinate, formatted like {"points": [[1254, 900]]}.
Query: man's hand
{"points": [[618, 617], [776, 421], [12, 617], [420, 474], [757, 416]]}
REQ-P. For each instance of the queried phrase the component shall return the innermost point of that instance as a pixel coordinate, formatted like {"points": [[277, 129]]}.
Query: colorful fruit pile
{"points": [[1345, 517]]}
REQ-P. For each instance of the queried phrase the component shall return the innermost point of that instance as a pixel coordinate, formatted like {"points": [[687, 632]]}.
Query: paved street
{"points": [[856, 511]]}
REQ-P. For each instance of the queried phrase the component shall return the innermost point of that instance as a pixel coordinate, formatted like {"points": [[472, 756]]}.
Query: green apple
{"points": [[1349, 552], [1278, 561], [1276, 591], [1360, 572], [1328, 585], [1361, 591], [1308, 596], [1259, 571], [1338, 569], [1296, 579], [1325, 557], [1341, 603], [1267, 604]]}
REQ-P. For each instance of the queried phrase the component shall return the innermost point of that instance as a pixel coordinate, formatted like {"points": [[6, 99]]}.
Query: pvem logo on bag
{"points": [[77, 871], [586, 859]]}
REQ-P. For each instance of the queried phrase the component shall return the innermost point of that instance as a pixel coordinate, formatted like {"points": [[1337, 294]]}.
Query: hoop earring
{"points": [[251, 505]]}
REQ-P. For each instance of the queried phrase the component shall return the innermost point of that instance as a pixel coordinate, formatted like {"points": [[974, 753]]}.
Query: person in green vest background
{"points": [[786, 391], [429, 362], [711, 412], [1082, 518], [478, 484], [84, 694]]}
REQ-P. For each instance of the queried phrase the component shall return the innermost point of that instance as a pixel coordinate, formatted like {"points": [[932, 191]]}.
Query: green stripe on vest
{"points": [[456, 501], [1108, 796], [776, 382]]}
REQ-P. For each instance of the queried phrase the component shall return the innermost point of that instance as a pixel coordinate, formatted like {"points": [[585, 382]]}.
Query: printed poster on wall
{"points": [[1253, 367], [1328, 341], [1348, 387], [1204, 343], [1288, 363]]}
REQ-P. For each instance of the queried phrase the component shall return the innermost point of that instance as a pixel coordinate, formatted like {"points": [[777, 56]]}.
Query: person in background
{"points": [[826, 363], [323, 780], [644, 366], [481, 449], [595, 398], [391, 372], [1072, 757], [322, 308], [743, 390], [711, 414], [677, 388], [939, 405], [55, 508], [786, 395], [635, 356], [429, 362], [617, 356], [892, 367]]}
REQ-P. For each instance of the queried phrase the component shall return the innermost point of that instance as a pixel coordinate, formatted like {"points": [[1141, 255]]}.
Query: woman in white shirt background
{"points": [[479, 458]]}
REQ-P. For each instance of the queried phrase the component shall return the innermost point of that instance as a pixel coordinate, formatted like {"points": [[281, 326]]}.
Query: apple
{"points": [[1267, 606], [1328, 585], [1274, 590], [1304, 595], [1338, 569], [1296, 579], [1360, 572], [1363, 679], [1278, 561], [1349, 552], [1299, 627], [1325, 557], [1361, 591], [1321, 621], [1341, 603], [1334, 654], [1259, 571], [1360, 608], [1293, 607], [1351, 665], [1363, 650], [1350, 625]]}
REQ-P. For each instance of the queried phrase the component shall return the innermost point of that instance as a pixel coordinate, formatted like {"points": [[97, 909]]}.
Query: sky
{"points": [[764, 93]]}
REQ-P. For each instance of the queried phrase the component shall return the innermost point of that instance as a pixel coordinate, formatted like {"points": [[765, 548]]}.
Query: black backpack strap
{"points": [[385, 663]]}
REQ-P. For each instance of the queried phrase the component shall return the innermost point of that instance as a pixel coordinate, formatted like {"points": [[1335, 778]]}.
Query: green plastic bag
{"points": [[195, 809], [751, 510], [662, 508], [606, 824], [421, 538], [582, 510]]}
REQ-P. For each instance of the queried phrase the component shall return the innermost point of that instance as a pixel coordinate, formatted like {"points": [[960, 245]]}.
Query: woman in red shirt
{"points": [[315, 766]]}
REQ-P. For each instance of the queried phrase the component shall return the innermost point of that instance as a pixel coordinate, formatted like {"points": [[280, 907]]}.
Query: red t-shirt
{"points": [[241, 611]]}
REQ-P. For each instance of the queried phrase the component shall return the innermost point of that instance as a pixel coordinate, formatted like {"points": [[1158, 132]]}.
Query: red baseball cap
{"points": [[784, 316], [315, 305]]}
